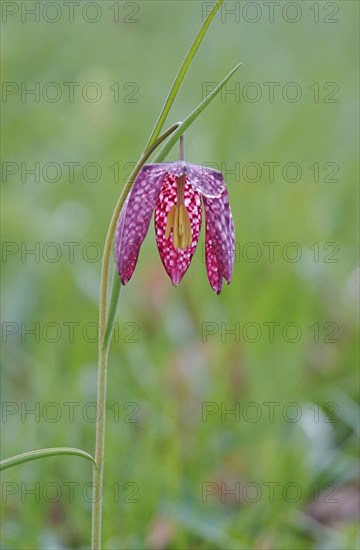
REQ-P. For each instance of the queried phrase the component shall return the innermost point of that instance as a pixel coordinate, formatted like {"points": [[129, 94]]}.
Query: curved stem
{"points": [[105, 329]]}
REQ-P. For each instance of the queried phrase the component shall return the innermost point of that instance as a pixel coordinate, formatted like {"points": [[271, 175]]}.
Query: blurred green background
{"points": [[181, 471]]}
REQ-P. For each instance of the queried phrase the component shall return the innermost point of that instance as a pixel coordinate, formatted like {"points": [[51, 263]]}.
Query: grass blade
{"points": [[42, 453], [191, 117], [181, 74]]}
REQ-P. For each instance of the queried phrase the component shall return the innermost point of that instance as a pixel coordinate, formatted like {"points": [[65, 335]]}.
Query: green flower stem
{"points": [[182, 72], [106, 321], [42, 453], [105, 330], [98, 470]]}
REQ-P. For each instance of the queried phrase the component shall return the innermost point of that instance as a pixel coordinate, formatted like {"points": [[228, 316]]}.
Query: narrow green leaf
{"points": [[181, 74], [114, 299], [192, 116], [42, 453]]}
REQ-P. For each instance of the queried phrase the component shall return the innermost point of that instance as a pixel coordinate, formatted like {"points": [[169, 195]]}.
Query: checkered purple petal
{"points": [[176, 261], [219, 240], [135, 216]]}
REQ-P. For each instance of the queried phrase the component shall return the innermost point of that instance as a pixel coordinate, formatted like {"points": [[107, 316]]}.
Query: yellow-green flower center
{"points": [[178, 219]]}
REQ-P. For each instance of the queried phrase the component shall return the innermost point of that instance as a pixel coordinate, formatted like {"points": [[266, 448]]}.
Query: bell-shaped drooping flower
{"points": [[176, 192]]}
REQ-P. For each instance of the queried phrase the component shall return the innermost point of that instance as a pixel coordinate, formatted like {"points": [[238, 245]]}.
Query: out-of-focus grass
{"points": [[165, 378]]}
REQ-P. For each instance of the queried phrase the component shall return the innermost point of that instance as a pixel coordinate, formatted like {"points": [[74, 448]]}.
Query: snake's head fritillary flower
{"points": [[176, 191]]}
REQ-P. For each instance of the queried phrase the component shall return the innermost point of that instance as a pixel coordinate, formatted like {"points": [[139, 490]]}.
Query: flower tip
{"points": [[175, 279], [125, 277], [217, 286], [123, 280]]}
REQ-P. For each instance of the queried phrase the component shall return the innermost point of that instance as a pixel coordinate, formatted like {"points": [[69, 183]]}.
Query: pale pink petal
{"points": [[176, 261], [219, 241], [135, 217], [206, 181]]}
